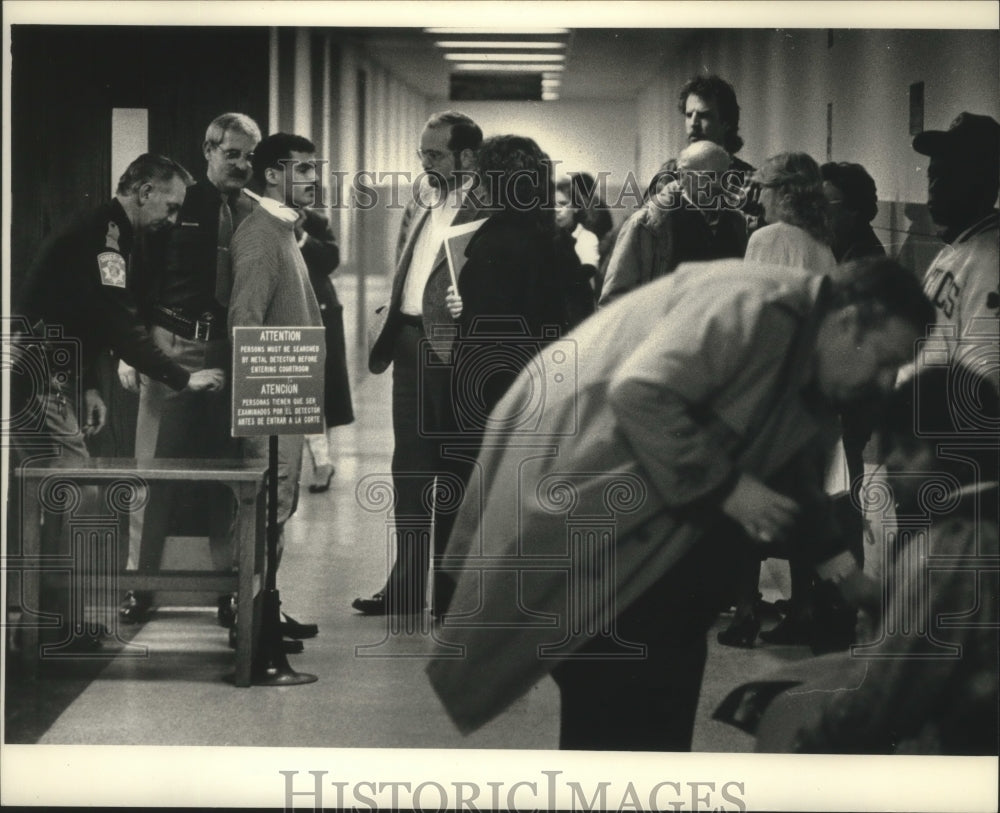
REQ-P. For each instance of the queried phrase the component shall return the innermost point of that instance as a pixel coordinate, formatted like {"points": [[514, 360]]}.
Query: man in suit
{"points": [[184, 300], [421, 405]]}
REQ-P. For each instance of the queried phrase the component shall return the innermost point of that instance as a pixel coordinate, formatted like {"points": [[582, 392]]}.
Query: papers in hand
{"points": [[456, 240]]}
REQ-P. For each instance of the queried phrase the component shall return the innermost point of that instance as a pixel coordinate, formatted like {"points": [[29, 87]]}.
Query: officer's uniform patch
{"points": [[112, 266]]}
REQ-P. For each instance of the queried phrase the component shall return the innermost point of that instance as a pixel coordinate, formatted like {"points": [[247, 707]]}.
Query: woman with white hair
{"points": [[798, 234]]}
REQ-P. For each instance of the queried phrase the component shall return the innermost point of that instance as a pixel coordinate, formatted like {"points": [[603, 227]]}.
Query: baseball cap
{"points": [[970, 135]]}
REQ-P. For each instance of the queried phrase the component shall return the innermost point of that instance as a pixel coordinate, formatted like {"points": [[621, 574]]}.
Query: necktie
{"points": [[223, 267]]}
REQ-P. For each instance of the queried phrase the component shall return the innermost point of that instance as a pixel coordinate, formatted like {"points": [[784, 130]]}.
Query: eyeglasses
{"points": [[432, 155], [234, 155]]}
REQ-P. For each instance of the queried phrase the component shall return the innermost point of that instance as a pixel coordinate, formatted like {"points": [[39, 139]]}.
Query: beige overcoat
{"points": [[603, 455]]}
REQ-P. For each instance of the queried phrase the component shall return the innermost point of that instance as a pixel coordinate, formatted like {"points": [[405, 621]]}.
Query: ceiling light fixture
{"points": [[505, 44], [522, 67], [515, 32], [505, 57]]}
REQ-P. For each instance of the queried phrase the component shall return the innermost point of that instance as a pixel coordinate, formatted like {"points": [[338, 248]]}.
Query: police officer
{"points": [[81, 287], [82, 282], [185, 305]]}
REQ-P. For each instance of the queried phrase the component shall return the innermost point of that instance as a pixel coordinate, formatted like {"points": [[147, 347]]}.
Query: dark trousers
{"points": [[431, 462], [648, 704]]}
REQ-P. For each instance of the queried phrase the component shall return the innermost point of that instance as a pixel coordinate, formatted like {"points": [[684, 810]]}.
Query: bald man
{"points": [[694, 217]]}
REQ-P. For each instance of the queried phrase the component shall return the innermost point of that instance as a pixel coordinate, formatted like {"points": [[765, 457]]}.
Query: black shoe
{"points": [[741, 632], [291, 628], [370, 606], [136, 607], [323, 479], [379, 605], [226, 614]]}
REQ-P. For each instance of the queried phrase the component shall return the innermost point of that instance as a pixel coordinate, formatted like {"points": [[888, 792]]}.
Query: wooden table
{"points": [[42, 480]]}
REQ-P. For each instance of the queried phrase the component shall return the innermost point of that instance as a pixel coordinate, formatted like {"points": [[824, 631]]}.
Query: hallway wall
{"points": [[784, 80], [363, 119]]}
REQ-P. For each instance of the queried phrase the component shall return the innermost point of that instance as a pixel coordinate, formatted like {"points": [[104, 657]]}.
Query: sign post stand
{"points": [[277, 389]]}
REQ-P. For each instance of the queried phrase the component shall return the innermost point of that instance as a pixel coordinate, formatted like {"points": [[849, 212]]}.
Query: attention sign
{"points": [[278, 380]]}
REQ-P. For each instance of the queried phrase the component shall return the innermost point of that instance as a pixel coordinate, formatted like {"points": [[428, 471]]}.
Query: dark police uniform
{"points": [[78, 301], [82, 283], [188, 324]]}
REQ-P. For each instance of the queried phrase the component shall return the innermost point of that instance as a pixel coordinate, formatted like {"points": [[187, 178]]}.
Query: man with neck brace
{"points": [[694, 217]]}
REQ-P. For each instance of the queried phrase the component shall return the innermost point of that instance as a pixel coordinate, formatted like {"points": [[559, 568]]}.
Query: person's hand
{"points": [[669, 194], [128, 376], [95, 413], [211, 380], [764, 513], [453, 302]]}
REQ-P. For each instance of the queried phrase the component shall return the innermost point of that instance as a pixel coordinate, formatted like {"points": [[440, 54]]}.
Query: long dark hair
{"points": [[517, 176]]}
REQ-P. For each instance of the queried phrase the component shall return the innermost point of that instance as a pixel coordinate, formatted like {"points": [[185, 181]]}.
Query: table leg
{"points": [[31, 574], [259, 557], [245, 592]]}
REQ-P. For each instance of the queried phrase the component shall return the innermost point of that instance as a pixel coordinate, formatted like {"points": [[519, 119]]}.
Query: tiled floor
{"points": [[176, 693]]}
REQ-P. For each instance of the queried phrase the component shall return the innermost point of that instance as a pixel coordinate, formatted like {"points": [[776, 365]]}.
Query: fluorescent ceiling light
{"points": [[551, 83], [524, 67], [505, 57], [517, 32], [549, 96], [483, 44]]}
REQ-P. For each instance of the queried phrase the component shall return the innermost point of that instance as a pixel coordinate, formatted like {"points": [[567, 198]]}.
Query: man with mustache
{"points": [[422, 408], [185, 297], [711, 113]]}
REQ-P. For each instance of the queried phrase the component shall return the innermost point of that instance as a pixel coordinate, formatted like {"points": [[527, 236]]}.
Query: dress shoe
{"points": [[324, 474], [370, 606], [226, 614], [379, 605], [136, 607], [291, 628]]}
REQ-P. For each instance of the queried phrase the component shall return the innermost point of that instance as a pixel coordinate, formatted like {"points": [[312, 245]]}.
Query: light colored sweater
{"points": [[270, 279], [785, 244]]}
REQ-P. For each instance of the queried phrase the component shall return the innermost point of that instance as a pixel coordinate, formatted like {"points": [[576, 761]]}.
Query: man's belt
{"points": [[204, 328]]}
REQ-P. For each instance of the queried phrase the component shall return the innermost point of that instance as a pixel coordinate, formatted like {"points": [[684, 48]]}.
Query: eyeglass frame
{"points": [[240, 155], [440, 154]]}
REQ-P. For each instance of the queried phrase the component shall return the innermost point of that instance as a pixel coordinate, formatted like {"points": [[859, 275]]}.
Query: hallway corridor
{"points": [[168, 687]]}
